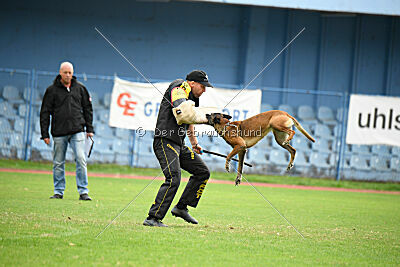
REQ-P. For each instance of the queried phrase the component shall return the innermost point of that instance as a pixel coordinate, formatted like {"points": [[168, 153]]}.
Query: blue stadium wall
{"points": [[353, 53]]}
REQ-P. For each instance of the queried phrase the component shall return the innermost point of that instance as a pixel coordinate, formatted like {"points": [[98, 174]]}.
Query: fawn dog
{"points": [[241, 135]]}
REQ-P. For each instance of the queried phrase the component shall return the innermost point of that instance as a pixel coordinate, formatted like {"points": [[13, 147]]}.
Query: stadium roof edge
{"points": [[382, 7]]}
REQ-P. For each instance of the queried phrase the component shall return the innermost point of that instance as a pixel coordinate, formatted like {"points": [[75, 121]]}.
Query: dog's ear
{"points": [[226, 116]]}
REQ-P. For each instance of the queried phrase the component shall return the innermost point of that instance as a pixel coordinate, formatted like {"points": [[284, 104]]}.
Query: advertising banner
{"points": [[373, 120]]}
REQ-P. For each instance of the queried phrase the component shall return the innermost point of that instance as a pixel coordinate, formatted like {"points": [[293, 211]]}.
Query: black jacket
{"points": [[167, 126], [71, 112]]}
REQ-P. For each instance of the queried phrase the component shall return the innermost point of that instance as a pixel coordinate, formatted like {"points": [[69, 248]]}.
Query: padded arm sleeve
{"points": [[187, 113]]}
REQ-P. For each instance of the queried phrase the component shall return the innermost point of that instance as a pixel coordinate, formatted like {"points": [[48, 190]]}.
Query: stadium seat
{"points": [[306, 114], [123, 159], [95, 99], [255, 155], [7, 110], [333, 159], [395, 164], [301, 160], [346, 161], [278, 157], [381, 150], [120, 147], [144, 148], [339, 114], [264, 143], [301, 144], [102, 145], [326, 116], [19, 125], [266, 107], [361, 149], [103, 115], [107, 100], [336, 130], [396, 151], [22, 110], [36, 142], [147, 161], [5, 152], [103, 130], [323, 131], [124, 134], [360, 162], [147, 137], [321, 145], [37, 127], [205, 142], [215, 163], [287, 108], [37, 97], [11, 94], [4, 140], [16, 141], [319, 160], [5, 126], [379, 163], [336, 146]]}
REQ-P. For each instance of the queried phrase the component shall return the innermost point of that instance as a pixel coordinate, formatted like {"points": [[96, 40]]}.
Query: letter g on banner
{"points": [[124, 100]]}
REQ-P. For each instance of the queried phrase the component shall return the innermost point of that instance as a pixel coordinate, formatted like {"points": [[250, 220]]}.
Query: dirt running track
{"points": [[302, 187]]}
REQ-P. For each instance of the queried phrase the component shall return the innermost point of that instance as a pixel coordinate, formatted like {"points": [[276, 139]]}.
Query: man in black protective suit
{"points": [[179, 110]]}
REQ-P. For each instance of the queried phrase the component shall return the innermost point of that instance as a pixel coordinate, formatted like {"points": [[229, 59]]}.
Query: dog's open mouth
{"points": [[215, 118]]}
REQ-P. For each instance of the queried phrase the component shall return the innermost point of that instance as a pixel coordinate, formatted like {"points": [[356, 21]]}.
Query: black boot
{"points": [[56, 196], [151, 221], [184, 214], [84, 197]]}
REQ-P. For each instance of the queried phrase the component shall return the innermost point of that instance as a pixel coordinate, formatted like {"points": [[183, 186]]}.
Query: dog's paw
{"points": [[227, 167], [290, 166], [238, 180]]}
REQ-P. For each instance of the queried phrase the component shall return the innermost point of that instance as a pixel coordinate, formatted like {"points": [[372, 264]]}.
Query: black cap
{"points": [[200, 77]]}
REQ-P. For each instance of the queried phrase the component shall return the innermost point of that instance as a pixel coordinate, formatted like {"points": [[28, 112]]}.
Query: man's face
{"points": [[197, 88], [66, 73]]}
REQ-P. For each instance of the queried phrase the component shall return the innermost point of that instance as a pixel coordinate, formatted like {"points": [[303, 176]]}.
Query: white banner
{"points": [[373, 120], [135, 105]]}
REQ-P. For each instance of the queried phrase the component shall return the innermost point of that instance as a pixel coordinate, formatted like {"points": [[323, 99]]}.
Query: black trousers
{"points": [[172, 157]]}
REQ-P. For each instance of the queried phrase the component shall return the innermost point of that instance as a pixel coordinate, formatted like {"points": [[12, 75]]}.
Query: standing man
{"points": [[68, 103], [177, 116]]}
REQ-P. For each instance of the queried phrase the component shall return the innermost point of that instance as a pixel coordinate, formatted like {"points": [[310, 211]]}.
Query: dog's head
{"points": [[218, 118]]}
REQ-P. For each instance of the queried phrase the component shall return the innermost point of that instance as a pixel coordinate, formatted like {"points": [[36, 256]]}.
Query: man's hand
{"points": [[198, 149], [89, 135], [47, 141]]}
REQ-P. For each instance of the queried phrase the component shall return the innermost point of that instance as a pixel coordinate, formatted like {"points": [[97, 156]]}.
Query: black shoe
{"points": [[184, 214], [154, 222], [57, 196], [84, 197]]}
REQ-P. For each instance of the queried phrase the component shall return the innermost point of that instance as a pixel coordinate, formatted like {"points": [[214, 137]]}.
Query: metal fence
{"points": [[322, 113]]}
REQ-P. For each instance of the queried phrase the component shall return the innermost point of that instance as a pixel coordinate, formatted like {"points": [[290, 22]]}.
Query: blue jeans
{"points": [[77, 142]]}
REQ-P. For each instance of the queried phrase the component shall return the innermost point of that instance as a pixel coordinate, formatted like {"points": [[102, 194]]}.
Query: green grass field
{"points": [[237, 227]]}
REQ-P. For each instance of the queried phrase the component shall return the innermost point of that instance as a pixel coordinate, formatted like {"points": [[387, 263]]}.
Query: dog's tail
{"points": [[301, 129]]}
